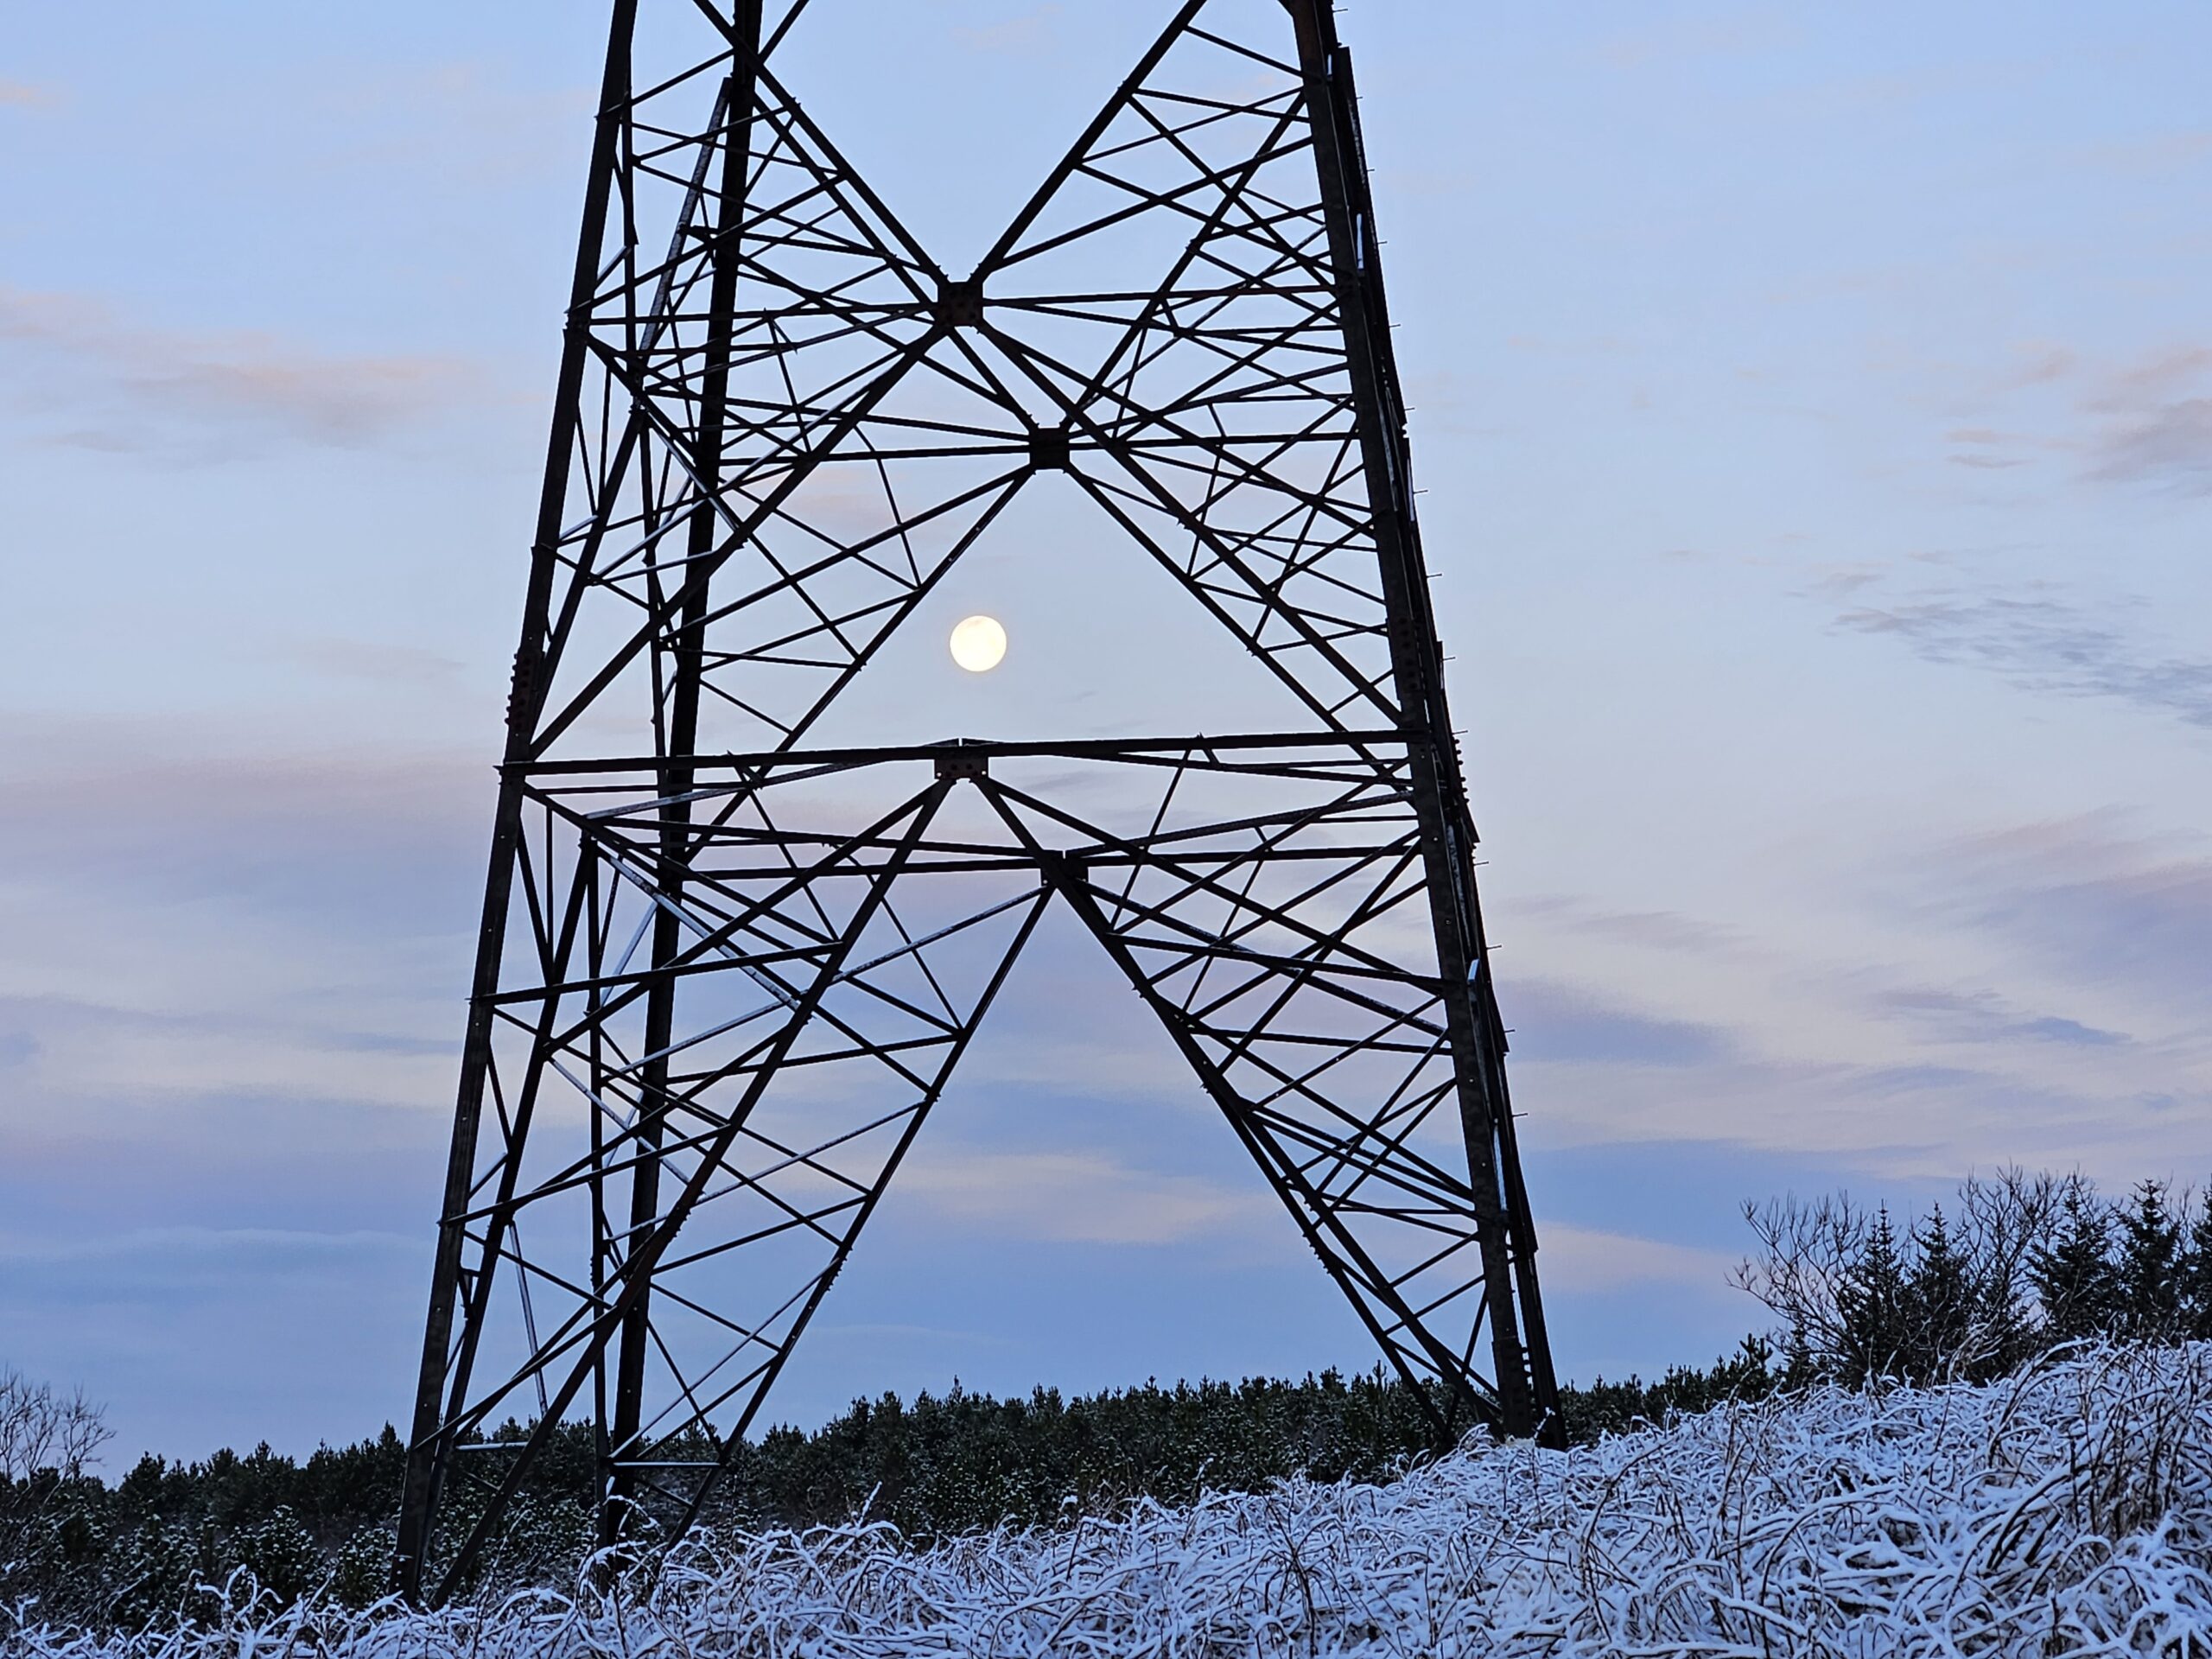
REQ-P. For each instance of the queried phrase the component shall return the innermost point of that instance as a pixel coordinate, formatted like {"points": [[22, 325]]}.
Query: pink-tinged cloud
{"points": [[101, 378], [1026, 36]]}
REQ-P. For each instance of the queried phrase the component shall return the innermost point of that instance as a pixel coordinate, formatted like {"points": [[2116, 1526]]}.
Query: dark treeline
{"points": [[2012, 1267], [141, 1547]]}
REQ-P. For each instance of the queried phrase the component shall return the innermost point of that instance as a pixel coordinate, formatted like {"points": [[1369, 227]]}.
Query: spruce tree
{"points": [[1872, 1302], [2196, 1272], [1800, 1366], [1938, 1303], [2150, 1252], [2004, 1332], [2074, 1274]]}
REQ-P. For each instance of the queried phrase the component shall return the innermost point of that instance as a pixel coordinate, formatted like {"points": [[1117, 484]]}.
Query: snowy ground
{"points": [[2069, 1510]]}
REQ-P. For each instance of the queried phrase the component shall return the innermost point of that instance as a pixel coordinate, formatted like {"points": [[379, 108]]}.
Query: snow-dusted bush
{"points": [[2067, 1509]]}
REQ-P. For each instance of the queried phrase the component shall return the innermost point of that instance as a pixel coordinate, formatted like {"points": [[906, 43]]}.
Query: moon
{"points": [[978, 644]]}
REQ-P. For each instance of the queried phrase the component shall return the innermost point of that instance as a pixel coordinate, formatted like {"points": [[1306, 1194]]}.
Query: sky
{"points": [[1815, 407]]}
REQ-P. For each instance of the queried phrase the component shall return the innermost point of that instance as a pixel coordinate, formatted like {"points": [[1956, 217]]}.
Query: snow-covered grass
{"points": [[2068, 1510]]}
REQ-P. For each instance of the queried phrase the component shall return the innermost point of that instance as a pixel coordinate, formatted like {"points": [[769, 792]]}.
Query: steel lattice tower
{"points": [[725, 970]]}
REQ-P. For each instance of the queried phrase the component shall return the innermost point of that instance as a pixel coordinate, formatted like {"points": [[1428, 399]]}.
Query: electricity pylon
{"points": [[727, 969]]}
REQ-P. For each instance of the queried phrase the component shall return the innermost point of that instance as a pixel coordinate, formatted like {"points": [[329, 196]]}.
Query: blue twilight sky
{"points": [[1815, 407]]}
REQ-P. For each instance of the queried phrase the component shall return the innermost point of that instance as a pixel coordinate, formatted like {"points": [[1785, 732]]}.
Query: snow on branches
{"points": [[2064, 1509]]}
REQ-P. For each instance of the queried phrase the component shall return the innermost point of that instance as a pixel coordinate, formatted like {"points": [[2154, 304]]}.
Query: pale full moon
{"points": [[978, 644]]}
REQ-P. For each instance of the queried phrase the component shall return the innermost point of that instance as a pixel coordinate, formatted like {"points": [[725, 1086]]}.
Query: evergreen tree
{"points": [[1939, 1301], [2196, 1272], [2151, 1262], [1871, 1303], [2005, 1332], [2074, 1274], [1802, 1366]]}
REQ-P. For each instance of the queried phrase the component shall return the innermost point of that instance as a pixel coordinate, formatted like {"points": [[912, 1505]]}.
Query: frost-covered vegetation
{"points": [[147, 1548], [2067, 1509], [1969, 1293], [2018, 1264]]}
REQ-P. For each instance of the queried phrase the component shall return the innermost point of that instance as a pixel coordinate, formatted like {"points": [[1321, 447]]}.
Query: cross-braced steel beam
{"points": [[725, 971]]}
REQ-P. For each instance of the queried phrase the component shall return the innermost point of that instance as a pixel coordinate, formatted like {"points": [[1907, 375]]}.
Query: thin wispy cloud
{"points": [[91, 1054], [205, 928], [1085, 1198], [2157, 375], [1028, 35], [1657, 929], [92, 376], [1972, 453], [348, 837], [2088, 899], [2054, 420], [466, 120], [2181, 147], [2043, 643], [2036, 363], [1591, 1259], [172, 1289], [1554, 1022], [1985, 1017], [178, 1256], [379, 662], [2143, 420], [22, 95], [2170, 443], [2155, 422], [1916, 1116], [1693, 39]]}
